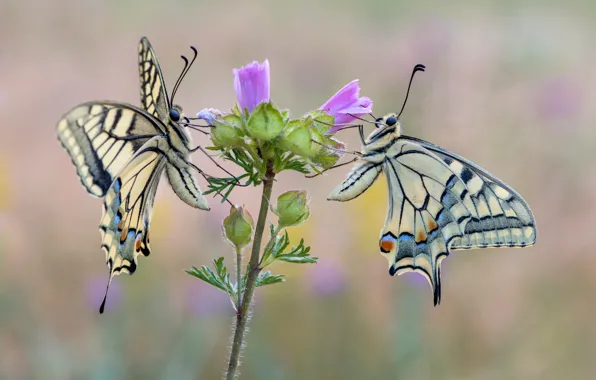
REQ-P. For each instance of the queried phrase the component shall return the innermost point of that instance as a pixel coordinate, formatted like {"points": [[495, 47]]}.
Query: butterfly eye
{"points": [[392, 120], [174, 115]]}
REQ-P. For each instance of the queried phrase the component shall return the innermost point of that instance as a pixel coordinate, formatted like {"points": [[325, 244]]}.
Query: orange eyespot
{"points": [[387, 244]]}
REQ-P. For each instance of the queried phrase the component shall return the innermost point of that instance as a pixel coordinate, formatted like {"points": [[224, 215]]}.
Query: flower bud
{"points": [[292, 208], [227, 131], [238, 226], [265, 122], [322, 120], [299, 138]]}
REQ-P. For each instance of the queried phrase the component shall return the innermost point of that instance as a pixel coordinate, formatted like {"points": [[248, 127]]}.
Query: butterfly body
{"points": [[120, 152], [438, 202]]}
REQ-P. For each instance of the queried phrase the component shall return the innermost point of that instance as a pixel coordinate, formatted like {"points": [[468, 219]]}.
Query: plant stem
{"points": [[238, 277], [243, 312]]}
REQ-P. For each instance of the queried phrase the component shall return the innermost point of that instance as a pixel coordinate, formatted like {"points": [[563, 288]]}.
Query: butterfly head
{"points": [[386, 126]]}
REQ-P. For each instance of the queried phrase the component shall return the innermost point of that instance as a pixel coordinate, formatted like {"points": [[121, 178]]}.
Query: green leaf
{"points": [[266, 278], [298, 255], [251, 176], [218, 278]]}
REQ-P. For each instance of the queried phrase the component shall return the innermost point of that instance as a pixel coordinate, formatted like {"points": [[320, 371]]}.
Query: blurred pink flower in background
{"points": [[345, 103], [205, 300], [558, 98], [327, 277], [251, 83]]}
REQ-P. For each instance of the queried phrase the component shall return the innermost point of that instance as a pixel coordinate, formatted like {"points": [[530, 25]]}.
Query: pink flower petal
{"points": [[346, 104], [251, 83]]}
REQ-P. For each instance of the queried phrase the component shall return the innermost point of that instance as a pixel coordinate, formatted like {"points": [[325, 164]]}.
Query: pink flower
{"points": [[345, 103], [251, 83]]}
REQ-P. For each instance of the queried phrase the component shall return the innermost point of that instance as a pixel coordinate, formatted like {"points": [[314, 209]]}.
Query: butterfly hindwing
{"points": [[128, 204], [428, 207], [101, 137]]}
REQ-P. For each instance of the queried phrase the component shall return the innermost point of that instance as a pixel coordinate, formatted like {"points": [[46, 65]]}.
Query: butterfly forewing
{"points": [[438, 202], [501, 216], [101, 137], [154, 97]]}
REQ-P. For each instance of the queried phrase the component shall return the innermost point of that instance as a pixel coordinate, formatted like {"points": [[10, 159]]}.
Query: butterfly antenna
{"points": [[105, 297], [417, 68], [185, 70]]}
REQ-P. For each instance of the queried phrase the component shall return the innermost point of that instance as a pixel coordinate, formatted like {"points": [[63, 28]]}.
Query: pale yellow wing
{"points": [[154, 96], [360, 178], [185, 186], [101, 137], [438, 203], [128, 205]]}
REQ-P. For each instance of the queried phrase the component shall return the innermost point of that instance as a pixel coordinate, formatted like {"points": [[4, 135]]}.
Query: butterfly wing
{"points": [[360, 178], [439, 202], [101, 137], [128, 205], [154, 97], [502, 218], [185, 186]]}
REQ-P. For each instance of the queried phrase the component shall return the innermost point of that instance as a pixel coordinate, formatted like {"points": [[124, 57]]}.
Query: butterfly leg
{"points": [[338, 150], [333, 167], [207, 176], [237, 181]]}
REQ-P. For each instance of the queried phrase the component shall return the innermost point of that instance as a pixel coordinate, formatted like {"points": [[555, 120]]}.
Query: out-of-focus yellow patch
{"points": [[368, 213], [4, 184], [162, 219]]}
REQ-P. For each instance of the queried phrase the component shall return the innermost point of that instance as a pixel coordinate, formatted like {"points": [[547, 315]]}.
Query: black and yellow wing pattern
{"points": [[438, 202], [120, 152]]}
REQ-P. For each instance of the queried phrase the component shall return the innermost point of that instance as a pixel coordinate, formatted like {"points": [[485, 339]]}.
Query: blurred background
{"points": [[509, 85]]}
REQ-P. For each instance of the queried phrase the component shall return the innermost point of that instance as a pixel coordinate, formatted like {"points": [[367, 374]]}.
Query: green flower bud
{"points": [[227, 132], [265, 122], [299, 137], [238, 226], [292, 208], [322, 120], [328, 157]]}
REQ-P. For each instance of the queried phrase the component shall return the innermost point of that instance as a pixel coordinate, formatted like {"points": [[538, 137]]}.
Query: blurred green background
{"points": [[509, 85]]}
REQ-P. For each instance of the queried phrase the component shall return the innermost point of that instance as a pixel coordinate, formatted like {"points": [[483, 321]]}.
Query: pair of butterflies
{"points": [[120, 152], [438, 201]]}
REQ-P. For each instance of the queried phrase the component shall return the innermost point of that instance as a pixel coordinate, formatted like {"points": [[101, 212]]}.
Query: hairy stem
{"points": [[238, 277], [242, 314]]}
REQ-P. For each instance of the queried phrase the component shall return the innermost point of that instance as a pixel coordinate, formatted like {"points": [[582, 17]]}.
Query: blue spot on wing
{"points": [[406, 237]]}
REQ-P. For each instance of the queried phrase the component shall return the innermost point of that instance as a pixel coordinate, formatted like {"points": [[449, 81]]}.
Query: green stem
{"points": [[243, 312], [238, 277]]}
